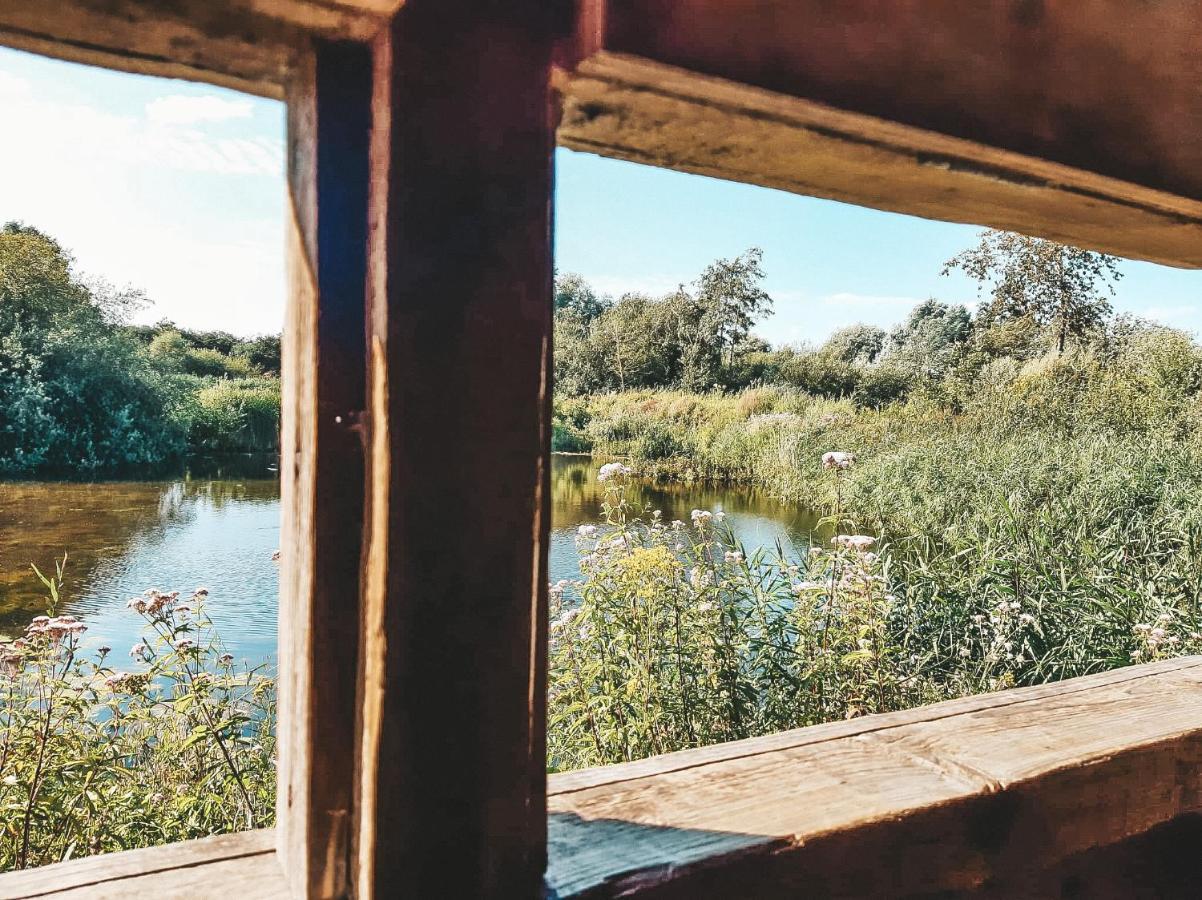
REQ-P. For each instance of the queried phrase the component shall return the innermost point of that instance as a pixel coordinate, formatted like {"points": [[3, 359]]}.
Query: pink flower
{"points": [[858, 542], [838, 460]]}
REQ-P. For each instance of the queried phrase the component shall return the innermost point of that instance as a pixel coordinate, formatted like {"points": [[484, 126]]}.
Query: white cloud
{"points": [[180, 109], [182, 210], [13, 87], [172, 136]]}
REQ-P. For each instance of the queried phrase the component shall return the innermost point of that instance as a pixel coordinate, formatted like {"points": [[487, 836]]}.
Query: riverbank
{"points": [[1074, 492]]}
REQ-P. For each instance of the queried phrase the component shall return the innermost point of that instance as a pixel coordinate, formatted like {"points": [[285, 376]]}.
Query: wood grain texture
{"points": [[452, 782], [1105, 86], [191, 869], [982, 794], [322, 468], [630, 107], [249, 45]]}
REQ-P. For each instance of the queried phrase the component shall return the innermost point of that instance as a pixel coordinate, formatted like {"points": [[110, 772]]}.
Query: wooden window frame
{"points": [[420, 152]]}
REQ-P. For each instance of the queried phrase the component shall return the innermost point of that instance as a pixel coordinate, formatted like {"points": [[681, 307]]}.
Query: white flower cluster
{"points": [[56, 628], [860, 543], [837, 459], [1157, 639], [613, 470]]}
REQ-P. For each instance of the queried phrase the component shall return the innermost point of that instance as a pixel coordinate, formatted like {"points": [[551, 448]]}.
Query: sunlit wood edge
{"points": [[958, 790], [191, 869]]}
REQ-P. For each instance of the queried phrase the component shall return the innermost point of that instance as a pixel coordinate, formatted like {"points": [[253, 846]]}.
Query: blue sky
{"points": [[179, 189]]}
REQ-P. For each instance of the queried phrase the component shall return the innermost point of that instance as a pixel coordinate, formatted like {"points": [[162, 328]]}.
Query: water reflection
{"points": [[206, 527], [757, 518], [217, 524]]}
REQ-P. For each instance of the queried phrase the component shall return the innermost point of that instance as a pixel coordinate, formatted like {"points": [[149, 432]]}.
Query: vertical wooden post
{"points": [[321, 464], [452, 779]]}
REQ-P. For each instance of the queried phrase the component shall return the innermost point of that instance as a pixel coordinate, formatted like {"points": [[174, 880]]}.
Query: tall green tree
{"points": [[856, 343], [1059, 287], [717, 316], [76, 390]]}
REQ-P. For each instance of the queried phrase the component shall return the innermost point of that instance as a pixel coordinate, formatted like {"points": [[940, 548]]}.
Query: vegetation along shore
{"points": [[1029, 473]]}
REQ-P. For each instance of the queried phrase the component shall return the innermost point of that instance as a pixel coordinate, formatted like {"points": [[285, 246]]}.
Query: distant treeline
{"points": [[81, 389], [1037, 297]]}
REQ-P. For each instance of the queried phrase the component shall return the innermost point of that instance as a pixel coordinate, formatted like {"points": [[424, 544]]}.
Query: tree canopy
{"points": [[1055, 285], [81, 389]]}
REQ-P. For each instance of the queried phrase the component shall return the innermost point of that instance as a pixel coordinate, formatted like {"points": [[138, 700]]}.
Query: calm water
{"points": [[218, 525]]}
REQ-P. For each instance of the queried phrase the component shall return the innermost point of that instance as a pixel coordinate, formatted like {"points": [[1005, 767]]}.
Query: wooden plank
{"points": [[955, 797], [1000, 114], [248, 45], [186, 869], [452, 777], [1037, 78], [322, 467]]}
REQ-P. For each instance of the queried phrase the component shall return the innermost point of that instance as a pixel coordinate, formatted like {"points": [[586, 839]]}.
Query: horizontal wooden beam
{"points": [[1004, 114], [248, 45], [990, 791], [245, 862]]}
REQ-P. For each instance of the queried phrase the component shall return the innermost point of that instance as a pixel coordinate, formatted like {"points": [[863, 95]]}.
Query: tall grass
{"points": [[1041, 522], [241, 415]]}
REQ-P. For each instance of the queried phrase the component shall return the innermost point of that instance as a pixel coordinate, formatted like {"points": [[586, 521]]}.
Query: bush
{"points": [[215, 364], [820, 374], [674, 636], [94, 760], [239, 415], [880, 386]]}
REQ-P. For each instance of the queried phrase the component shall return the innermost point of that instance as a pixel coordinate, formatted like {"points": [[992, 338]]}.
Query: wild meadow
{"points": [[1029, 477], [1015, 495], [128, 747]]}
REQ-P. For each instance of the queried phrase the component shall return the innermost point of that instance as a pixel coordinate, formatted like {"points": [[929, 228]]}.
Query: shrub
{"points": [[215, 364], [674, 636], [240, 415], [93, 759]]}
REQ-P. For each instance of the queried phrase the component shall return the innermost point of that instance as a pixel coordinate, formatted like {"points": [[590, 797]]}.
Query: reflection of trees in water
{"points": [[577, 496], [96, 523]]}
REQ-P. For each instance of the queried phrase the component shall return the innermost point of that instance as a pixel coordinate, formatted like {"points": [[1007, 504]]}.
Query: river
{"points": [[217, 524]]}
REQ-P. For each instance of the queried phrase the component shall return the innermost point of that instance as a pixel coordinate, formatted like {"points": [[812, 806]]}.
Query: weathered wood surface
{"points": [[452, 777], [209, 867], [250, 45], [322, 467], [1008, 114], [985, 793]]}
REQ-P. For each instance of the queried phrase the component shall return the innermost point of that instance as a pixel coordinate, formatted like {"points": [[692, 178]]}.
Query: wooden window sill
{"points": [[245, 862], [955, 797], [989, 792]]}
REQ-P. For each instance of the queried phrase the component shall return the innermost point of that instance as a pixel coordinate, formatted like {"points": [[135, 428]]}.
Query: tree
{"points": [[731, 298], [858, 343], [76, 390], [929, 340], [575, 298], [1055, 285]]}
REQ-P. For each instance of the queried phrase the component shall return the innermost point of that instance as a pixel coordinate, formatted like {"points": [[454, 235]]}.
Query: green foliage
{"points": [[691, 338], [856, 344], [674, 638], [238, 415], [81, 390], [1054, 285], [1001, 564], [93, 759]]}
